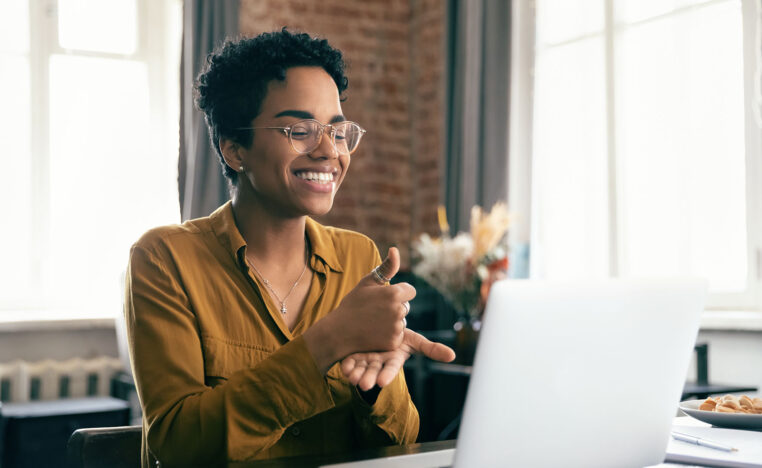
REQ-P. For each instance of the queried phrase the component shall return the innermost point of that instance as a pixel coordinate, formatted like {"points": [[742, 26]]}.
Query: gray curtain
{"points": [[206, 24], [476, 149]]}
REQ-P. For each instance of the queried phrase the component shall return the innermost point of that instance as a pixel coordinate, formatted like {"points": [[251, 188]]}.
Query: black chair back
{"points": [[112, 447]]}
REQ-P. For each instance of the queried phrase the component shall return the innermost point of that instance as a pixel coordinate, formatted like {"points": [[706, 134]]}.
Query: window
{"points": [[646, 150], [89, 140]]}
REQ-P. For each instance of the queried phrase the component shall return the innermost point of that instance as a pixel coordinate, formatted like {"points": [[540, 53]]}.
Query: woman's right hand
{"points": [[369, 318]]}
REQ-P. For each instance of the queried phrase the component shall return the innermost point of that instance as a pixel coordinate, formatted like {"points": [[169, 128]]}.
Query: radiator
{"points": [[22, 381]]}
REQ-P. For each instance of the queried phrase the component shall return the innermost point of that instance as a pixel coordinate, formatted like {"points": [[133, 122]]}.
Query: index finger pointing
{"points": [[432, 350]]}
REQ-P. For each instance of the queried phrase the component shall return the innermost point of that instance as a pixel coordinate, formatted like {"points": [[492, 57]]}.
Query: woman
{"points": [[256, 332]]}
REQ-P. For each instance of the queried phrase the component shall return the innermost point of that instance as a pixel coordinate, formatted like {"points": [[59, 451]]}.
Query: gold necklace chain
{"points": [[283, 308]]}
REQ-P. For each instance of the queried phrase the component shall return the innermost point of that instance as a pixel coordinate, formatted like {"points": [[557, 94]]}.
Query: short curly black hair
{"points": [[233, 83]]}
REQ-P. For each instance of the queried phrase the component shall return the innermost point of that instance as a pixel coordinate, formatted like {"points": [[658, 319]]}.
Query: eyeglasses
{"points": [[305, 135]]}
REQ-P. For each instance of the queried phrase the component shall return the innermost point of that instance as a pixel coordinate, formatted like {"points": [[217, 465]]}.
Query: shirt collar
{"points": [[322, 244], [223, 224]]}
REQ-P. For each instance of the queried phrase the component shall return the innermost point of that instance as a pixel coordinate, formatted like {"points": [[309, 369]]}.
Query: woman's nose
{"points": [[325, 149]]}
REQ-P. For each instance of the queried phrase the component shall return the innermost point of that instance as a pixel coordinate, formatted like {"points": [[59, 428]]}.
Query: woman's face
{"points": [[296, 184]]}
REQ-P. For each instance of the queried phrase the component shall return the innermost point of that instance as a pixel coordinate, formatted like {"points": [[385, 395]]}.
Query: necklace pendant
{"points": [[283, 309]]}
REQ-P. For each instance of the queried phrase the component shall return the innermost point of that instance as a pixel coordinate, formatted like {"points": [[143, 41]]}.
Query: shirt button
{"points": [[295, 431]]}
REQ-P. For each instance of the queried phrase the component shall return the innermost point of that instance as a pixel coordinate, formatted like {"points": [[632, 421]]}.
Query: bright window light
{"points": [[570, 160], [680, 133], [88, 150], [14, 27], [16, 181], [676, 176], [562, 20], [98, 25]]}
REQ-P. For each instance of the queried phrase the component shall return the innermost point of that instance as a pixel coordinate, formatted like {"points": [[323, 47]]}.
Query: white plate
{"points": [[731, 420]]}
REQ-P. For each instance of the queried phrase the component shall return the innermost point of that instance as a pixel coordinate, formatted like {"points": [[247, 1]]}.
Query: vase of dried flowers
{"points": [[462, 268]]}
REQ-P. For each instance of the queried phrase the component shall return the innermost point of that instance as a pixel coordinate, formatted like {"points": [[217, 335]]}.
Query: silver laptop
{"points": [[579, 374], [573, 374]]}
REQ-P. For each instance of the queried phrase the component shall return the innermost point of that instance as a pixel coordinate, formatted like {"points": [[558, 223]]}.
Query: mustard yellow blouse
{"points": [[220, 376]]}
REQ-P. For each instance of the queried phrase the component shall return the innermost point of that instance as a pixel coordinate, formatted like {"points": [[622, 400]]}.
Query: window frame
{"points": [[522, 108], [152, 18]]}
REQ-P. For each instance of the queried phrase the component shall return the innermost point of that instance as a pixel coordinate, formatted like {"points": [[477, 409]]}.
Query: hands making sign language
{"points": [[387, 330]]}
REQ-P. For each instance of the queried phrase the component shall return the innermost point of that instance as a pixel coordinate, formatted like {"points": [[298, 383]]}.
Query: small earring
{"points": [[240, 168]]}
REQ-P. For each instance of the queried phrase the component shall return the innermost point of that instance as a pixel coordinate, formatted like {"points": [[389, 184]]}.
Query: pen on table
{"points": [[702, 442]]}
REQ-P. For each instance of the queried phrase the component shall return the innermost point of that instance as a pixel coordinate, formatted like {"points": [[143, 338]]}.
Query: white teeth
{"points": [[319, 177]]}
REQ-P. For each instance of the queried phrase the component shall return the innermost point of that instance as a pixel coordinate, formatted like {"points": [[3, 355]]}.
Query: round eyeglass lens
{"points": [[347, 136], [305, 136]]}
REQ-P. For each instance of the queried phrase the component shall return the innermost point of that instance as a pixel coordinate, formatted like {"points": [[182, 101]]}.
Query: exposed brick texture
{"points": [[395, 55]]}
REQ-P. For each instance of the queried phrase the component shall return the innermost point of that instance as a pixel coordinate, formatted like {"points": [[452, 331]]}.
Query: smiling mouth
{"points": [[317, 177]]}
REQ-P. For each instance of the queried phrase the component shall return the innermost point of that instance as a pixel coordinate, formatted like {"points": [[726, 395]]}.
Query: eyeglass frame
{"points": [[287, 131]]}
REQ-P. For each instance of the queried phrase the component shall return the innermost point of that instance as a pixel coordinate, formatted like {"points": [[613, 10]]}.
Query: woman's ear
{"points": [[231, 152]]}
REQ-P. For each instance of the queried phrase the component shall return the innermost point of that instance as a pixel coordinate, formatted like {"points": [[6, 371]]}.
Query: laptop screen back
{"points": [[579, 373]]}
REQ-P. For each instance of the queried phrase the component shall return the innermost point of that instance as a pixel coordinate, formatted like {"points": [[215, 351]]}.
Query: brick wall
{"points": [[395, 55]]}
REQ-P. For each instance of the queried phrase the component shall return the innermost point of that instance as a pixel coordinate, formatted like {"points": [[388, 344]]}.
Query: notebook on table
{"points": [[748, 445]]}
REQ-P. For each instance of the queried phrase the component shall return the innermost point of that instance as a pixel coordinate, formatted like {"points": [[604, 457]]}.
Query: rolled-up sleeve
{"points": [[392, 419]]}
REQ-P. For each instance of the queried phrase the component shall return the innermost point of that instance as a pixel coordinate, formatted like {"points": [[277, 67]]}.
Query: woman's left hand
{"points": [[379, 368]]}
